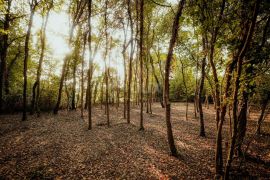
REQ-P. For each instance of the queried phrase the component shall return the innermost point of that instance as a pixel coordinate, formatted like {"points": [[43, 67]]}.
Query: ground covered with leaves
{"points": [[61, 147]]}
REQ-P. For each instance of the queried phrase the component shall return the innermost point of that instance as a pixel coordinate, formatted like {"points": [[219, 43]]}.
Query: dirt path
{"points": [[62, 147]]}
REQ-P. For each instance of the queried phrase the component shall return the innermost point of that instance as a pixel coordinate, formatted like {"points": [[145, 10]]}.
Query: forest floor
{"points": [[61, 147]]}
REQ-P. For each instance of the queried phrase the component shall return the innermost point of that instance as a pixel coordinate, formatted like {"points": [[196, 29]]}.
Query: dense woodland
{"points": [[143, 57]]}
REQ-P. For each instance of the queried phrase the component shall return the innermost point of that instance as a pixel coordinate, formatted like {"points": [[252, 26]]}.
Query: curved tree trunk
{"points": [[157, 81], [263, 109], [240, 57], [167, 104]]}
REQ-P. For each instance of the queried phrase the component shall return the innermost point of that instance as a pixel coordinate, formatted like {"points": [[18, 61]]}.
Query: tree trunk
{"points": [[185, 85], [125, 73], [242, 123], [10, 66], [196, 90], [151, 93], [87, 93], [141, 61], [102, 92], [90, 71], [166, 94], [55, 111], [130, 62], [263, 108], [202, 131], [146, 86], [106, 68], [95, 92], [158, 83], [3, 53], [36, 87], [82, 74], [236, 86], [26, 56], [73, 96]]}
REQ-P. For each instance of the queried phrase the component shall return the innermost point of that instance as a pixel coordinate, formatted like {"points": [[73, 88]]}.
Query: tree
{"points": [[240, 57], [106, 67], [167, 104], [4, 49], [33, 5], [202, 131], [130, 61], [36, 87], [141, 62], [76, 9]]}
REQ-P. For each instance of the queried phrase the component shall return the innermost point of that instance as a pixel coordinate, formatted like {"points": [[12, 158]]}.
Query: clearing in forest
{"points": [[62, 147]]}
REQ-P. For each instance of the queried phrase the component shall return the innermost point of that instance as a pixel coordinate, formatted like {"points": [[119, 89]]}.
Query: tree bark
{"points": [[26, 56], [82, 74], [36, 87], [106, 68], [141, 61], [185, 86], [166, 94], [263, 108], [90, 71], [55, 111], [3, 54], [130, 62], [236, 86], [158, 83], [125, 73]]}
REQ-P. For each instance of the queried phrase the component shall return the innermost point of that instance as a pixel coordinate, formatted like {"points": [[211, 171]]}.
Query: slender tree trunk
{"points": [[107, 96], [260, 120], [55, 111], [130, 62], [26, 56], [185, 85], [64, 68], [237, 85], [3, 53], [82, 74], [158, 83], [151, 93], [141, 61], [202, 131], [242, 123], [73, 96], [106, 68], [68, 97], [87, 94], [10, 67], [76, 18], [118, 93], [36, 87], [147, 86], [102, 92], [125, 73], [196, 90], [95, 92], [166, 94], [90, 71]]}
